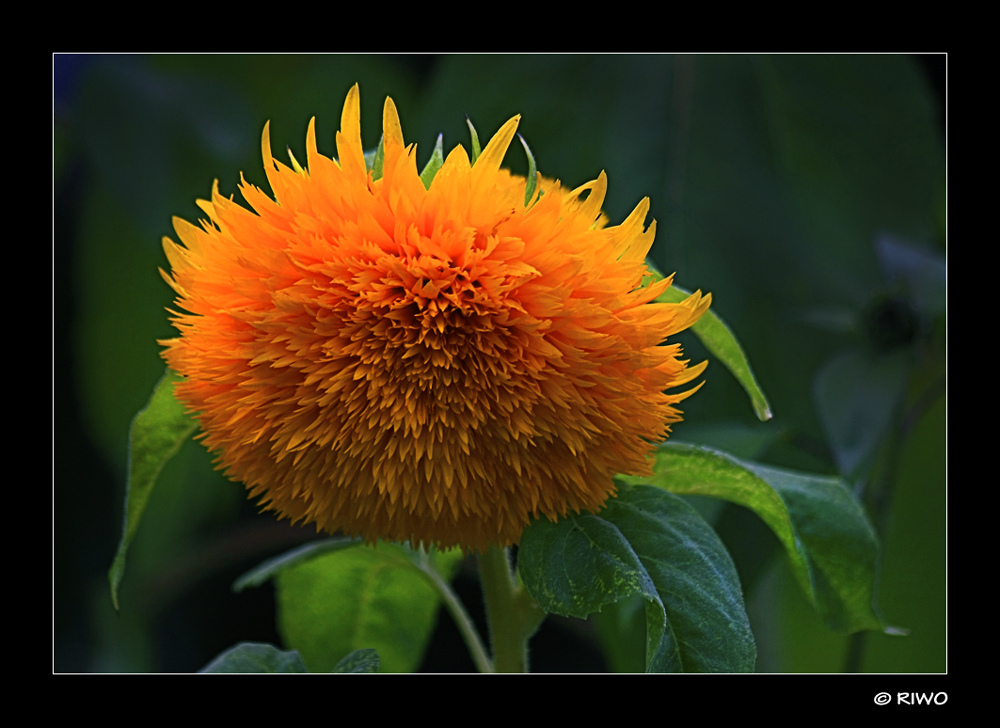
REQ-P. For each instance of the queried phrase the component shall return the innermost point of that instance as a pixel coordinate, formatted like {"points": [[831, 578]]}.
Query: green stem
{"points": [[855, 652], [508, 635], [462, 620]]}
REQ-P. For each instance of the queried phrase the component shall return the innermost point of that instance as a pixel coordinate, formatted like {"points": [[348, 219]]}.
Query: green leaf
{"points": [[645, 542], [476, 149], [256, 657], [272, 567], [367, 597], [434, 163], [363, 661], [532, 179], [156, 434], [719, 339], [829, 542]]}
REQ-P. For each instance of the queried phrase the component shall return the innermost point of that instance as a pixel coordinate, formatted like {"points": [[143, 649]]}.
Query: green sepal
{"points": [[156, 434], [649, 543], [720, 340], [830, 544], [256, 657], [532, 180], [476, 149], [434, 163], [377, 158], [360, 661]]}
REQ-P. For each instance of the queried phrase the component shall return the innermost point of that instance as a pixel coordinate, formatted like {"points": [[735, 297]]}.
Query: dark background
{"points": [[770, 177]]}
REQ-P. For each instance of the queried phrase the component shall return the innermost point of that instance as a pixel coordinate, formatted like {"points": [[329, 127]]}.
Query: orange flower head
{"points": [[430, 364]]}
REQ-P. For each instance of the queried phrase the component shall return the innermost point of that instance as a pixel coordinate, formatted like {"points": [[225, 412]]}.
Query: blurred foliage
{"points": [[772, 179]]}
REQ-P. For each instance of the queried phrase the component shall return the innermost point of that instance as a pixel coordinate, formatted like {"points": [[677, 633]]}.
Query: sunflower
{"points": [[434, 364]]}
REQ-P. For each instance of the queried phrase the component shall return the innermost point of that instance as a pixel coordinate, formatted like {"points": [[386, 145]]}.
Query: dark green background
{"points": [[770, 178]]}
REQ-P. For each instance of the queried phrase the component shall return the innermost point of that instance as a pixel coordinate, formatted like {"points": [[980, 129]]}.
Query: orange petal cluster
{"points": [[433, 365]]}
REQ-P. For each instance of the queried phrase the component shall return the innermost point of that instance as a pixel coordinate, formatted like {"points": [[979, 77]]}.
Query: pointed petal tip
{"points": [[697, 369], [681, 396], [350, 117], [492, 155], [311, 149], [508, 129], [265, 148], [390, 122]]}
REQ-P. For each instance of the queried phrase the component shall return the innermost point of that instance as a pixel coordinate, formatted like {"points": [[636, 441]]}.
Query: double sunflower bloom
{"points": [[429, 364]]}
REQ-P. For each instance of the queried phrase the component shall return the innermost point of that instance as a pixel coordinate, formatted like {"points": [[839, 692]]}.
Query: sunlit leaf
{"points": [[157, 433], [358, 598]]}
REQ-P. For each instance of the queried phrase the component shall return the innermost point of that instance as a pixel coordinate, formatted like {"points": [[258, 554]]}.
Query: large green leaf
{"points": [[157, 433], [645, 542], [256, 657], [830, 544], [366, 597], [719, 339]]}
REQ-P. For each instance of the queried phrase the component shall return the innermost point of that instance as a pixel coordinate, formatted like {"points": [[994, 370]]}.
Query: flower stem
{"points": [[462, 619], [508, 636]]}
